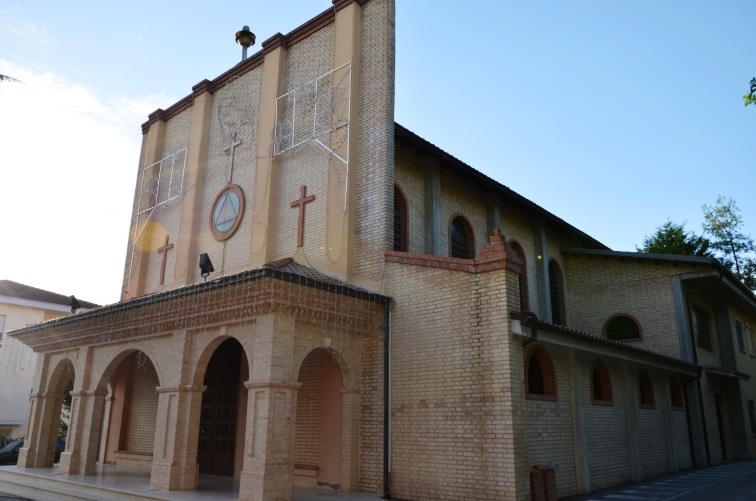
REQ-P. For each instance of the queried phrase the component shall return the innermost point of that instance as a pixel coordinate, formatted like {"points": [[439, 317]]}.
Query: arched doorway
{"points": [[132, 411], [318, 442], [221, 432], [61, 385]]}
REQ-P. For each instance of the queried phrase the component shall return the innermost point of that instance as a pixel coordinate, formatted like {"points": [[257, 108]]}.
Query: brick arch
{"points": [[601, 384], [625, 332], [468, 242], [540, 375], [200, 368], [522, 276], [57, 380], [104, 379], [350, 379]]}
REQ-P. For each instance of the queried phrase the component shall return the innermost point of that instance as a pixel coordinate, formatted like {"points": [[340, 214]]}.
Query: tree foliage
{"points": [[673, 238], [750, 98], [722, 221]]}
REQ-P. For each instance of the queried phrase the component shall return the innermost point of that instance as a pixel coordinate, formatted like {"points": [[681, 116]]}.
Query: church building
{"points": [[315, 296]]}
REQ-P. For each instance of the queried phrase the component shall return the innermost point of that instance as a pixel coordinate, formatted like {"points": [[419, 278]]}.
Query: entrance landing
{"points": [[124, 483]]}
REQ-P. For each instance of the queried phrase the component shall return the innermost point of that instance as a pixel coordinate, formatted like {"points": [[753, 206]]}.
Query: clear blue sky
{"points": [[612, 115]]}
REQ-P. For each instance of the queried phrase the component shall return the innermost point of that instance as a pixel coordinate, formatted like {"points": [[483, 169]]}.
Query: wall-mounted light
{"points": [[206, 266]]}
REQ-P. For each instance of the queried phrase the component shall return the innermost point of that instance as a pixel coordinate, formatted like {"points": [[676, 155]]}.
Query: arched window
{"points": [[601, 385], [556, 291], [622, 328], [675, 391], [401, 221], [522, 278], [541, 377], [461, 241], [646, 391]]}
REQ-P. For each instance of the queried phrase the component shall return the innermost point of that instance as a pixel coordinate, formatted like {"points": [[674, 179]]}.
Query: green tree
{"points": [[750, 98], [722, 221], [673, 238]]}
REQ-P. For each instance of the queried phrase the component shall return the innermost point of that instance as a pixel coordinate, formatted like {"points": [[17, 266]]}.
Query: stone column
{"points": [[41, 429], [631, 420], [80, 456], [350, 438], [582, 469], [174, 457], [268, 470]]}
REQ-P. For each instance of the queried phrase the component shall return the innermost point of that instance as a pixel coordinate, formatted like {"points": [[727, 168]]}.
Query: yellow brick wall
{"points": [[600, 288], [143, 403]]}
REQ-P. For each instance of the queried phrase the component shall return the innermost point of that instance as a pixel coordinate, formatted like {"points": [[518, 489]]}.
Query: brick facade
{"points": [[364, 368]]}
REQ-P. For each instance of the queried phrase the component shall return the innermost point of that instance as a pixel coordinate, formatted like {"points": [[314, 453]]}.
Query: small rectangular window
{"points": [[702, 328], [739, 334], [752, 416]]}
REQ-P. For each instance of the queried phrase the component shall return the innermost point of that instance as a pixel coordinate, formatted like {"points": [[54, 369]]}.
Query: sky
{"points": [[615, 116]]}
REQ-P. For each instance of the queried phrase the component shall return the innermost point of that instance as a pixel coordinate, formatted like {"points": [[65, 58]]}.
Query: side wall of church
{"points": [[455, 378], [600, 288], [549, 429], [606, 427]]}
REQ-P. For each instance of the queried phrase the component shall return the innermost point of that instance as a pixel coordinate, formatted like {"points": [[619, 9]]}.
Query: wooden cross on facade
{"points": [[301, 204], [230, 149], [164, 251]]}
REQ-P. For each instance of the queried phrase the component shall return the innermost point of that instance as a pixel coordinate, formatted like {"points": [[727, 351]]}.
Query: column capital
{"points": [[182, 389], [290, 385]]}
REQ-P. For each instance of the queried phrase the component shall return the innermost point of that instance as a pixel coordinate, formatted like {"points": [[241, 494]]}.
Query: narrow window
{"points": [[752, 416], [556, 290], [541, 377], [622, 328], [702, 328], [461, 238], [749, 335], [675, 391], [646, 391], [601, 385], [739, 335], [401, 218], [522, 278]]}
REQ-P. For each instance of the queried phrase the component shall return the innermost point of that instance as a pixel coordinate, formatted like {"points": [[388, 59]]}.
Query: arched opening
{"points": [[318, 439], [646, 391], [601, 385], [522, 277], [541, 377], [401, 221], [222, 417], [60, 386], [461, 239], [131, 411], [622, 328], [556, 292]]}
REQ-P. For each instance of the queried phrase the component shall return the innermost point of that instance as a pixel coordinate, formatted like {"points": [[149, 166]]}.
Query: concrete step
{"points": [[26, 484]]}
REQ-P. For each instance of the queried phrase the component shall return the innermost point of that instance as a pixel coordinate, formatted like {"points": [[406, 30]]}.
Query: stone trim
{"points": [[273, 384]]}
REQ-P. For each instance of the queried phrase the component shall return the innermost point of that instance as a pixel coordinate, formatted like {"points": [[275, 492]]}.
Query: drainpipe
{"points": [[387, 399]]}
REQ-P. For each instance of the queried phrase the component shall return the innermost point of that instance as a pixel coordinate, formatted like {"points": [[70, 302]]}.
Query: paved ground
{"points": [[728, 482]]}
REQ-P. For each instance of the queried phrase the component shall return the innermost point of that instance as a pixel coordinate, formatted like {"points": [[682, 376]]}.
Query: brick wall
{"points": [[600, 288], [606, 429], [143, 403], [549, 429], [308, 412]]}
